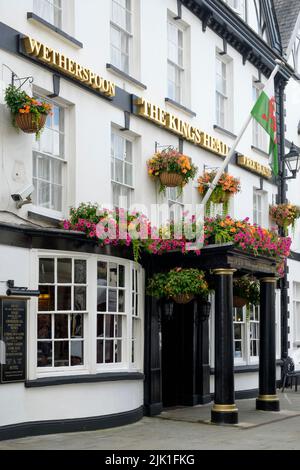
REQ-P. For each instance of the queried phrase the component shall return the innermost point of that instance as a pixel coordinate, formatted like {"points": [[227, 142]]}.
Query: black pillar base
{"points": [[224, 417], [268, 403]]}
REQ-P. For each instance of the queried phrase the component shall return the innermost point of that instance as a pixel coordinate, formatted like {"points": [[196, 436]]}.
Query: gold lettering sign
{"points": [[254, 166], [68, 66], [181, 128]]}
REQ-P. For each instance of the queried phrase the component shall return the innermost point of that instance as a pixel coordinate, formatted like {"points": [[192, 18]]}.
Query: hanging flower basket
{"points": [[172, 168], [183, 299], [180, 285], [245, 292], [239, 302], [29, 114], [28, 124], [171, 180], [285, 215], [224, 190]]}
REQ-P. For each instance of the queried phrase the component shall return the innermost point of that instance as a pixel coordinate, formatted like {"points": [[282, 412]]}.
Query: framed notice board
{"points": [[13, 314]]}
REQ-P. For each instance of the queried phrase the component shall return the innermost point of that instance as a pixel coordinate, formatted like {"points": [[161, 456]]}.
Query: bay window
{"points": [[89, 314], [49, 162], [62, 307]]}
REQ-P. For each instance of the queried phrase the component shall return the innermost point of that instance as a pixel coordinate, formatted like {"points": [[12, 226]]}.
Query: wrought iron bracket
{"points": [[22, 80]]}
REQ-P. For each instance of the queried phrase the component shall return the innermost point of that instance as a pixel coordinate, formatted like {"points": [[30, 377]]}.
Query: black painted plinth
{"points": [[263, 405], [267, 399], [218, 417]]}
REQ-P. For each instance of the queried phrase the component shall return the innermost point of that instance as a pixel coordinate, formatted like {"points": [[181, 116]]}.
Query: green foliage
{"points": [[87, 211], [248, 290], [178, 281]]}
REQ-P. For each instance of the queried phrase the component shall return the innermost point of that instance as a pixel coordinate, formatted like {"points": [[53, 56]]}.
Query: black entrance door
{"points": [[180, 356]]}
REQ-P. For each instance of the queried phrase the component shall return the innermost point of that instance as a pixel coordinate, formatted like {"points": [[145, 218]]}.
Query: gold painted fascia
{"points": [[254, 166], [224, 408]]}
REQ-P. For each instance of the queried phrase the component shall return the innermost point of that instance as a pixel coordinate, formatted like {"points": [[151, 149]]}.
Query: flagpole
{"points": [[233, 149]]}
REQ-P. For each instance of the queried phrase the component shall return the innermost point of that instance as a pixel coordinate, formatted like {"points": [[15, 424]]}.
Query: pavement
{"points": [[186, 429]]}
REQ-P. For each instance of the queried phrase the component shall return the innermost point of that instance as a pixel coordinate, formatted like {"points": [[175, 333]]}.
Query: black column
{"points": [[224, 410], [267, 399]]}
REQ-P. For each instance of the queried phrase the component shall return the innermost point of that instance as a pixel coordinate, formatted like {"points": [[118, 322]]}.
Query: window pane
{"points": [[128, 174], [63, 298], [79, 298], [118, 326], [46, 299], [44, 354], [80, 271], [64, 271], [109, 326], [61, 353], [44, 327], [100, 344], [109, 357], [76, 326], [100, 326], [112, 300], [121, 276], [61, 326], [118, 351], [46, 271], [113, 275], [76, 353], [102, 274], [121, 301], [101, 300]]}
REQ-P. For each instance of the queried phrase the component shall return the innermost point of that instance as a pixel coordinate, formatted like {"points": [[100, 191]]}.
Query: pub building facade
{"points": [[85, 347]]}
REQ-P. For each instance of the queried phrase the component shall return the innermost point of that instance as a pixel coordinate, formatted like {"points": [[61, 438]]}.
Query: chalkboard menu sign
{"points": [[13, 334]]}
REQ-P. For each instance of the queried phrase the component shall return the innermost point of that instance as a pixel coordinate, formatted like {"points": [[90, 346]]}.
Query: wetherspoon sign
{"points": [[67, 66]]}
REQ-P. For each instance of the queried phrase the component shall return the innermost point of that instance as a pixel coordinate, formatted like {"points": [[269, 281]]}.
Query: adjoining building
{"points": [[86, 353]]}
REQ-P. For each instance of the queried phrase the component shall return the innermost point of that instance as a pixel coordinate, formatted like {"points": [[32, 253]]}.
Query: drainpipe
{"points": [[282, 199]]}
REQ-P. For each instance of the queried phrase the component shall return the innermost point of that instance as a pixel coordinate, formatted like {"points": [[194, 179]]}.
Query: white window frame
{"points": [[246, 359], [56, 8], [123, 32], [180, 68], [124, 188], [90, 320], [224, 96], [175, 204], [260, 214], [63, 160], [259, 135]]}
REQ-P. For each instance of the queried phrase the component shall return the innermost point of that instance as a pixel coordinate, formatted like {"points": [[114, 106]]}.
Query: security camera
{"points": [[23, 197]]}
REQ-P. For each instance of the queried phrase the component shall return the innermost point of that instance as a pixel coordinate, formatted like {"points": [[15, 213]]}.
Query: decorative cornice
{"points": [[216, 15]]}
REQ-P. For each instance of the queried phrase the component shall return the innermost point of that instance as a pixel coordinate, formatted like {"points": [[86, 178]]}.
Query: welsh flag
{"points": [[264, 112]]}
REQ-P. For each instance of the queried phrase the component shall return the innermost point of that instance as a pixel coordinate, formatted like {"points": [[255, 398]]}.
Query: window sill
{"points": [[180, 107], [124, 75], [44, 218], [80, 379], [224, 131], [261, 152], [37, 19]]}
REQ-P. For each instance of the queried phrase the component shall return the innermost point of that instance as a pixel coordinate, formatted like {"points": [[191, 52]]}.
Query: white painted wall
{"points": [[22, 405]]}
